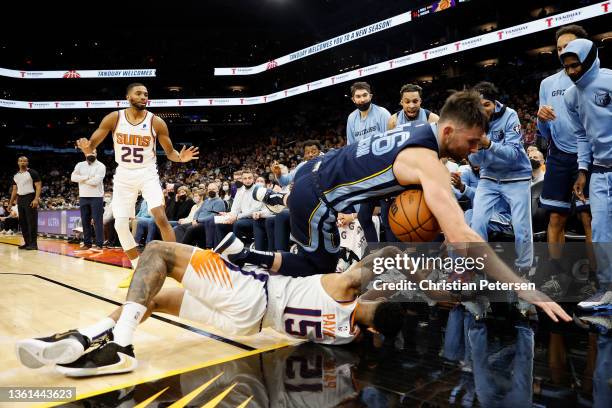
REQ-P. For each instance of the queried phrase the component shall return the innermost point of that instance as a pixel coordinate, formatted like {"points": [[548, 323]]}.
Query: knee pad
{"points": [[122, 226]]}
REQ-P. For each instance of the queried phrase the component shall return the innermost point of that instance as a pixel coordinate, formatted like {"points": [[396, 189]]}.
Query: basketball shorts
{"points": [[126, 185], [218, 293], [561, 173]]}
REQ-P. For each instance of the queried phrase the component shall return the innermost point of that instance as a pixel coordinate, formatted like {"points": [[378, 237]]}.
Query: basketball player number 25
{"points": [[135, 153]]}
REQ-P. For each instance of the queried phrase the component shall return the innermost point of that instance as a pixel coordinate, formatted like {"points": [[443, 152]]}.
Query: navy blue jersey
{"points": [[364, 170]]}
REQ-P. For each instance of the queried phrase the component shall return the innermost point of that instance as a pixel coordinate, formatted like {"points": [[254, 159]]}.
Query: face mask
{"points": [[535, 164], [225, 188], [247, 186], [91, 158], [238, 184], [212, 194], [183, 197], [363, 106], [107, 200], [196, 199]]}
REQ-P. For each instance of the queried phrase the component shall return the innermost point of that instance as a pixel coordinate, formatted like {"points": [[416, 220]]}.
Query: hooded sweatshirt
{"points": [[505, 160], [589, 104]]}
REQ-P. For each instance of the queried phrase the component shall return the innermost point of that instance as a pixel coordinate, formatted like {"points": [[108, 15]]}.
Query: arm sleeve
{"points": [[99, 176], [511, 147], [35, 176], [76, 176], [350, 138], [469, 191], [543, 127], [384, 119], [585, 152], [477, 158], [236, 203]]}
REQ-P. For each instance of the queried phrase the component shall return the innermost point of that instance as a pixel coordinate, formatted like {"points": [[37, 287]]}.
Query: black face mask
{"points": [[363, 106], [238, 184], [535, 164], [182, 198], [247, 186], [212, 194], [91, 158]]}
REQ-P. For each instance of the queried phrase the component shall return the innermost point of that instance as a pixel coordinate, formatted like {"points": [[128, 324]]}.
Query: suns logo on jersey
{"points": [[133, 140]]}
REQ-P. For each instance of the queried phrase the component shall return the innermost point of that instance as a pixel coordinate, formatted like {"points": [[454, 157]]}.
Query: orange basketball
{"points": [[410, 218]]}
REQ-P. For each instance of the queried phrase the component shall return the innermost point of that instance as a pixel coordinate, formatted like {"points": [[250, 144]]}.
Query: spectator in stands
{"points": [[185, 223], [9, 220], [26, 191], [90, 176], [140, 224], [240, 217], [505, 175], [201, 231], [537, 165], [178, 208]]}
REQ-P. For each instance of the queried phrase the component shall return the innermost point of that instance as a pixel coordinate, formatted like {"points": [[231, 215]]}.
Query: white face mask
{"points": [[107, 200], [196, 199], [225, 188]]}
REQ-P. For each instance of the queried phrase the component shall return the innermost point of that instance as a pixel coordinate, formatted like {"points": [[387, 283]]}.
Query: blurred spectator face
{"points": [[225, 186], [213, 190], [310, 152], [563, 41], [247, 179], [182, 193], [531, 149], [411, 103], [489, 107], [537, 155], [261, 181], [108, 197], [237, 176]]}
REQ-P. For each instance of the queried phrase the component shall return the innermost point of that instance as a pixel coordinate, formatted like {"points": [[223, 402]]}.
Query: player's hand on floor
{"points": [[188, 154]]}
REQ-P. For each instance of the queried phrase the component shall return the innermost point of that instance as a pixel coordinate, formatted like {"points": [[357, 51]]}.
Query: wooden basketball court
{"points": [[46, 293]]}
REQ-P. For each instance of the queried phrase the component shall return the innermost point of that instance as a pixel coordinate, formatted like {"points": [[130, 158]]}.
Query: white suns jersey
{"points": [[135, 144], [301, 308]]}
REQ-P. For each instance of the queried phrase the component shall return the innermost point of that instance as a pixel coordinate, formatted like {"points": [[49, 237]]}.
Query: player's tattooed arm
{"points": [[151, 272], [106, 126]]}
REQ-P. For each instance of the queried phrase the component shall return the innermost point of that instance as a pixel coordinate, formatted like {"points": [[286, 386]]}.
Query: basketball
{"points": [[410, 218]]}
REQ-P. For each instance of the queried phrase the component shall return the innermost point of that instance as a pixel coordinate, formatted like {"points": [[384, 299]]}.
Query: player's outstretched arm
{"points": [[163, 135], [435, 180], [106, 126]]}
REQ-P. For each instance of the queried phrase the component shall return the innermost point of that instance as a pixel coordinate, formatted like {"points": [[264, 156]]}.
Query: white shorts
{"points": [[126, 185], [223, 295]]}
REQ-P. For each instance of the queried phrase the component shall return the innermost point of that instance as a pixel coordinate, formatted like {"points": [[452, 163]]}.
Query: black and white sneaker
{"points": [[110, 358], [232, 249], [274, 201], [62, 348]]}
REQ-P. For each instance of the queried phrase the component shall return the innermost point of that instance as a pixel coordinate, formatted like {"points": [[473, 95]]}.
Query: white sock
{"points": [[134, 262], [95, 330], [131, 315]]}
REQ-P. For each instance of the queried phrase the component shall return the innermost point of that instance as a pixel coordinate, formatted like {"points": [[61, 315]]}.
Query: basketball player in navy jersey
{"points": [[378, 166], [135, 135], [411, 97]]}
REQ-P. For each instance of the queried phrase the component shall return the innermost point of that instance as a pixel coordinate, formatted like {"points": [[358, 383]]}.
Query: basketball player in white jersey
{"points": [[325, 309], [135, 134]]}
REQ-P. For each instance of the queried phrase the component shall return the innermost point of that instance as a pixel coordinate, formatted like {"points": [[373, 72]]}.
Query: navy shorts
{"points": [[561, 173], [313, 224]]}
